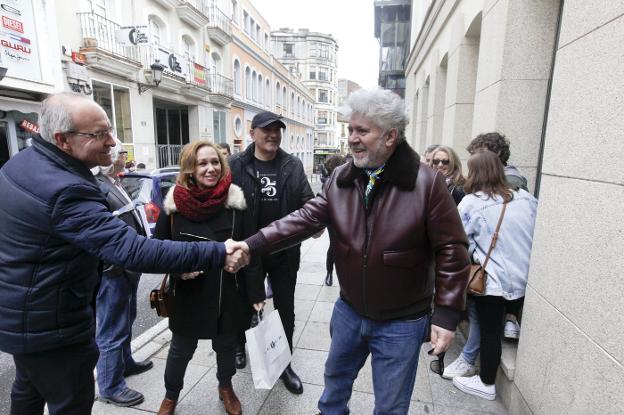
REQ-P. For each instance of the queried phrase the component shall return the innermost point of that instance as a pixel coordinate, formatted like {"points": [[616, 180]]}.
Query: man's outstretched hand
{"points": [[236, 255]]}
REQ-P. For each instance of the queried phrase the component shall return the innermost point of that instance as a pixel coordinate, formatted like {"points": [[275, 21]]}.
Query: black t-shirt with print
{"points": [[267, 173]]}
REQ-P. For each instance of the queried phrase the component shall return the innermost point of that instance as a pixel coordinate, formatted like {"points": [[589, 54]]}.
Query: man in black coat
{"points": [[275, 185], [116, 303], [56, 228]]}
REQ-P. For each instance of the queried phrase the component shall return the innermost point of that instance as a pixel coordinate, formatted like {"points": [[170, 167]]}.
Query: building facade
{"points": [[547, 74], [262, 83], [311, 56], [29, 70], [392, 29], [111, 49], [345, 88]]}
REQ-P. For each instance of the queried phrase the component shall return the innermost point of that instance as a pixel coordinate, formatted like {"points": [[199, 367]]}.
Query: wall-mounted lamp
{"points": [[157, 71]]}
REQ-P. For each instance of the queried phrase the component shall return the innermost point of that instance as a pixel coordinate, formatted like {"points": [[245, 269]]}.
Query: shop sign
{"points": [[12, 24], [79, 58], [19, 51], [29, 126], [10, 9], [174, 64], [132, 35]]}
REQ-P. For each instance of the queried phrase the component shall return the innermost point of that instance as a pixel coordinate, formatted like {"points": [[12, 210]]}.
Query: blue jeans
{"points": [[473, 343], [394, 346], [115, 310]]}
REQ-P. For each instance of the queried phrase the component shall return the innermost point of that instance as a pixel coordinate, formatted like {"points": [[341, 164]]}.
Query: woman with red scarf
{"points": [[204, 205]]}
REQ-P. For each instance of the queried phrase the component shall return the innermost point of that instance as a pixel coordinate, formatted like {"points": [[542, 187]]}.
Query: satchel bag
{"points": [[159, 297], [478, 276], [269, 353], [161, 300]]}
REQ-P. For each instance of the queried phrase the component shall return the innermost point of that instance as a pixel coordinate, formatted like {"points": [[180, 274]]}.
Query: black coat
{"points": [[116, 200], [294, 188], [211, 303]]}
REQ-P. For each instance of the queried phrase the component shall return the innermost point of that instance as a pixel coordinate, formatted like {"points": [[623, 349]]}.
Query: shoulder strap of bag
{"points": [[163, 284], [495, 235]]}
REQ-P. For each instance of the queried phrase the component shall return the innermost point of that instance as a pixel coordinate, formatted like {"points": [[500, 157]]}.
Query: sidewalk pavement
{"points": [[313, 308]]}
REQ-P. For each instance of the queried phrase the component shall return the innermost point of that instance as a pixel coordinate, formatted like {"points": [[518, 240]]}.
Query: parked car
{"points": [[149, 190]]}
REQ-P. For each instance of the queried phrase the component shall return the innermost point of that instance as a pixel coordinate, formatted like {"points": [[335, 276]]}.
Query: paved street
{"points": [[313, 305]]}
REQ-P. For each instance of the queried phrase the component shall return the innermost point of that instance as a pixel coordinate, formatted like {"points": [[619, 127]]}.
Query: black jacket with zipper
{"points": [[294, 190], [211, 303]]}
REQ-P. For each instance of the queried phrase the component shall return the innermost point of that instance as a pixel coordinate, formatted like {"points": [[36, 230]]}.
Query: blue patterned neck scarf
{"points": [[373, 176]]}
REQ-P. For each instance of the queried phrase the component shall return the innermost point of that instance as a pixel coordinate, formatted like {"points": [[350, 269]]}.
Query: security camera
{"points": [[3, 72]]}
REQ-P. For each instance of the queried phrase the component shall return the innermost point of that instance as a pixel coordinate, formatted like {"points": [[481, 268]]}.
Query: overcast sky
{"points": [[349, 21]]}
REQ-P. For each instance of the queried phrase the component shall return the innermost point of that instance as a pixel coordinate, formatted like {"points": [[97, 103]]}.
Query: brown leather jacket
{"points": [[388, 259]]}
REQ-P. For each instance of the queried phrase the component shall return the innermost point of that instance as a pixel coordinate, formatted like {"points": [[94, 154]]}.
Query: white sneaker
{"points": [[512, 330], [458, 368], [474, 386]]}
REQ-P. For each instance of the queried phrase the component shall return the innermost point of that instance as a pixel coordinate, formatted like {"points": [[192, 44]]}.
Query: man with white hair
{"points": [[56, 227], [396, 235], [116, 302]]}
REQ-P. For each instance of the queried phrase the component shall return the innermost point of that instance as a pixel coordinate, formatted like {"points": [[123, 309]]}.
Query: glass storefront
{"points": [[16, 131]]}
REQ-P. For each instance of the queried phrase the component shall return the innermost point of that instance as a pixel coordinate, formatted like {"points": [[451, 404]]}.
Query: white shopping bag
{"points": [[269, 353]]}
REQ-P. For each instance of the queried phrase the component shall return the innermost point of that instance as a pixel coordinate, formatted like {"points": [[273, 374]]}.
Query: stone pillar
{"points": [[435, 120], [460, 92], [570, 356], [514, 68]]}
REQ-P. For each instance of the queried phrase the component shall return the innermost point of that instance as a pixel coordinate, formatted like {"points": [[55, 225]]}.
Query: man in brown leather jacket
{"points": [[397, 239]]}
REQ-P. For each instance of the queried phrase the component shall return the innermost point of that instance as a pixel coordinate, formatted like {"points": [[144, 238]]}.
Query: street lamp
{"points": [[157, 71]]}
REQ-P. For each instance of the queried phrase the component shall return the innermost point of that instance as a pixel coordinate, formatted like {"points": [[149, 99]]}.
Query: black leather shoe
{"points": [[240, 359], [139, 367], [292, 381], [329, 279], [127, 397]]}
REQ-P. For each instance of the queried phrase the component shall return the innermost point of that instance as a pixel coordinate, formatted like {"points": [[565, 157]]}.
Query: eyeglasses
{"points": [[98, 135], [435, 162], [437, 366]]}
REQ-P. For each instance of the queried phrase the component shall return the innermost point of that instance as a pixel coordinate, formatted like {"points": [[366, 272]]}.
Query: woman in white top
{"points": [[508, 267]]}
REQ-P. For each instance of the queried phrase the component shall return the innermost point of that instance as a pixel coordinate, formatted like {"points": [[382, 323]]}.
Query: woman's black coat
{"points": [[211, 303]]}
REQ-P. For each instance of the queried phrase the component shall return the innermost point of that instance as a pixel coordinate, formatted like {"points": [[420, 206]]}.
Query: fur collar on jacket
{"points": [[401, 169], [235, 200]]}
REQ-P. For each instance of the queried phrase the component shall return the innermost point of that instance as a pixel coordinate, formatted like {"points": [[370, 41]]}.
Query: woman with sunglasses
{"points": [[446, 161], [204, 205], [508, 266]]}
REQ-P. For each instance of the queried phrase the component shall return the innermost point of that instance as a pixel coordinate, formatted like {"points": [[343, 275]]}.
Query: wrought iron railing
{"points": [[168, 154], [102, 30], [219, 20], [219, 84]]}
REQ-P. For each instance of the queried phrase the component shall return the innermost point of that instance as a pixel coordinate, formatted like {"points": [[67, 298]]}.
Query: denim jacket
{"points": [[508, 267]]}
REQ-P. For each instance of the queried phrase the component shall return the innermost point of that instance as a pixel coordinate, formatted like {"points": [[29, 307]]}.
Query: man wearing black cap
{"points": [[275, 184]]}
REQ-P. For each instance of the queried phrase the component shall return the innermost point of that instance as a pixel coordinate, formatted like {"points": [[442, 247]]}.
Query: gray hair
{"points": [[115, 151], [55, 114], [383, 107]]}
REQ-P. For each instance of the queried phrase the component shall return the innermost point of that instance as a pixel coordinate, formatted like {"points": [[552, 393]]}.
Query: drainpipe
{"points": [[540, 159]]}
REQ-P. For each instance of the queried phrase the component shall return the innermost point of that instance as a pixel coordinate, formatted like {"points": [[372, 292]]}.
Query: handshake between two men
{"points": [[237, 255]]}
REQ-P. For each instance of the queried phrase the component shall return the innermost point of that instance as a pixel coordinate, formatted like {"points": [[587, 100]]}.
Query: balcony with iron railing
{"points": [[194, 12], [101, 48], [219, 27]]}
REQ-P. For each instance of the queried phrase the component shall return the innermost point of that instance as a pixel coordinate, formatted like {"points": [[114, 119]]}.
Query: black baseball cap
{"points": [[266, 118]]}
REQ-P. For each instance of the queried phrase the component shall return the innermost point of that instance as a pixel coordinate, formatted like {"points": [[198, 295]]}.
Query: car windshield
{"points": [[166, 183], [138, 188]]}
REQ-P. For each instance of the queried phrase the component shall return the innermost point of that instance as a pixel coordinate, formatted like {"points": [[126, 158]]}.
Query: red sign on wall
{"points": [[29, 126], [12, 24]]}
